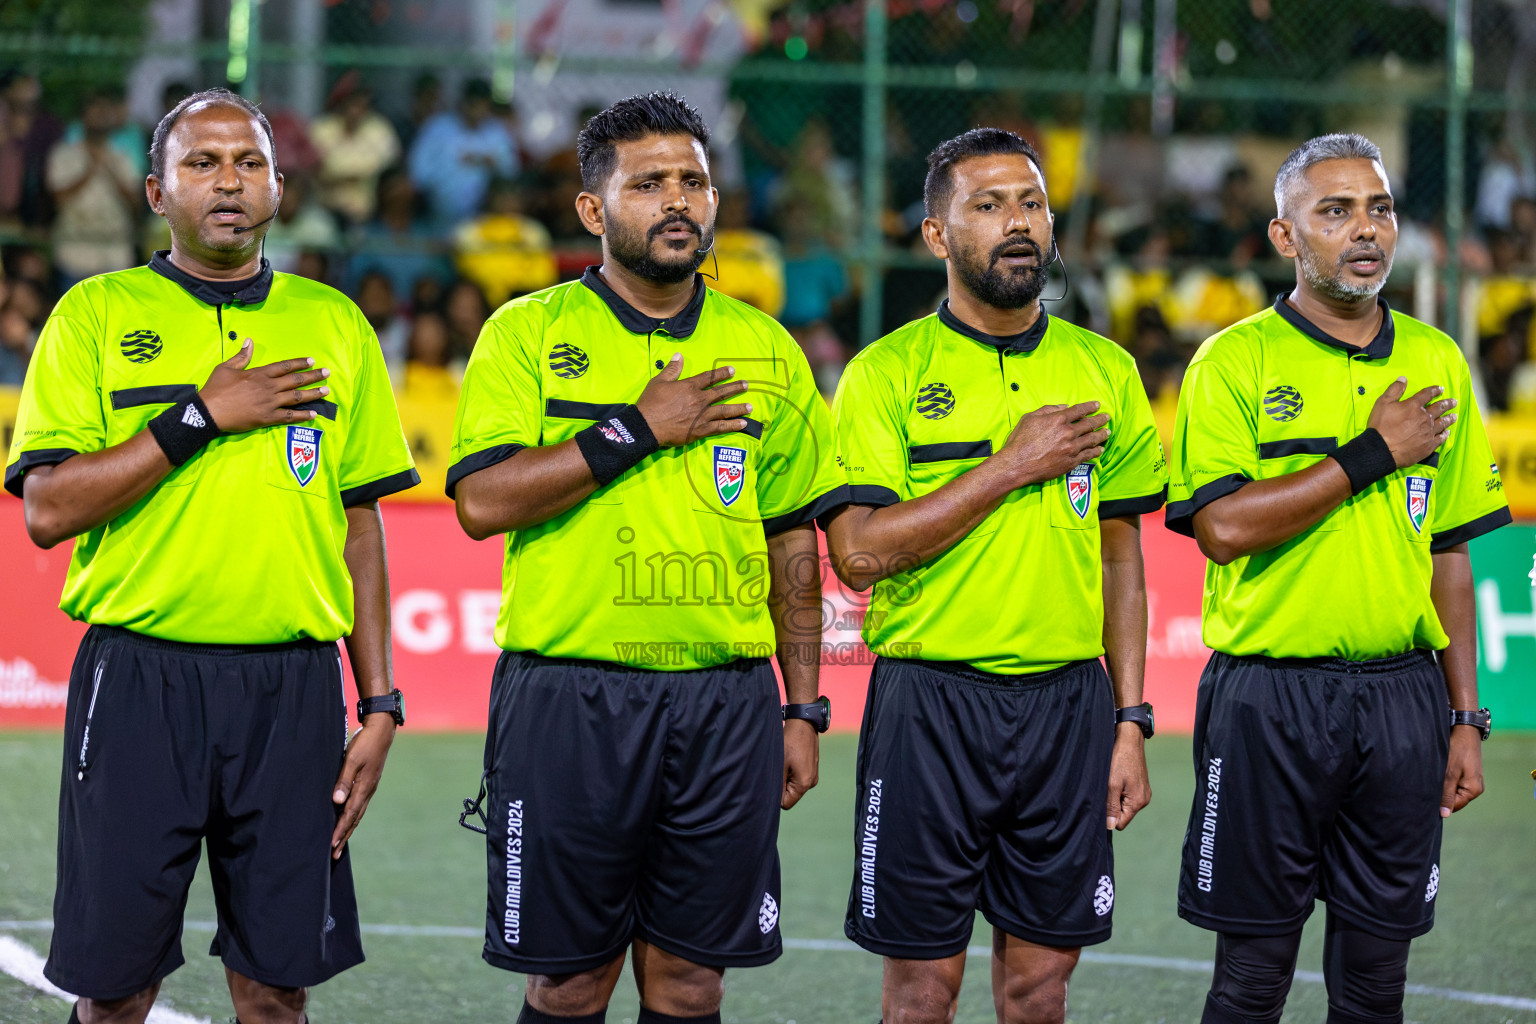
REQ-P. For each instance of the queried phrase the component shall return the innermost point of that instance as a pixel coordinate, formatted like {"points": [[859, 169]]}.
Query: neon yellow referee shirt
{"points": [[667, 566], [1274, 394], [1023, 591], [243, 543]]}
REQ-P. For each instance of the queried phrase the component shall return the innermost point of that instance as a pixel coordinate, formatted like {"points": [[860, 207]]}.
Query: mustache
{"points": [[1024, 243], [1369, 251], [677, 220]]}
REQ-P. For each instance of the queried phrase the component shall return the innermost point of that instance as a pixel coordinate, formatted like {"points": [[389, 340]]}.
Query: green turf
{"points": [[416, 866]]}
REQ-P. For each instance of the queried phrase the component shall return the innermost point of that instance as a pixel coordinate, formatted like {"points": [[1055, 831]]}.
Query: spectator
{"points": [[1506, 289], [1235, 227], [502, 251], [127, 137], [376, 298], [465, 312], [1158, 358], [1508, 384], [426, 102], [817, 179], [301, 224], [1505, 178], [28, 134], [456, 155], [98, 196], [427, 373], [295, 153], [22, 312], [814, 282], [356, 144], [1522, 223], [749, 264], [314, 264], [397, 242]]}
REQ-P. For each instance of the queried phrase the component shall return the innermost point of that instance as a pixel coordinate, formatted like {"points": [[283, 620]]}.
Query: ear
{"points": [[933, 235], [279, 188], [590, 209], [1282, 237], [155, 194]]}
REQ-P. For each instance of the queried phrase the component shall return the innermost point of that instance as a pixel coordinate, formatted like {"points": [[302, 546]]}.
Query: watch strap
{"points": [[1481, 720], [818, 713], [392, 702], [1141, 714]]}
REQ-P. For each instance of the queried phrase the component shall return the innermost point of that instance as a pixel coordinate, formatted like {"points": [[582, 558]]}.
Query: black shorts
{"points": [[1316, 779], [627, 804], [166, 744], [982, 790]]}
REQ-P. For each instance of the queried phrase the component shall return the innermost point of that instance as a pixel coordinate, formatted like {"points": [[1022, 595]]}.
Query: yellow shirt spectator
{"points": [[751, 268]]}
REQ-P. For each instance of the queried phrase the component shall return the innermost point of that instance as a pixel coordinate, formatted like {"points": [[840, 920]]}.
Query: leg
{"points": [[672, 988], [1253, 977], [583, 995], [128, 1010], [1366, 975], [256, 1003], [921, 991], [1029, 981]]}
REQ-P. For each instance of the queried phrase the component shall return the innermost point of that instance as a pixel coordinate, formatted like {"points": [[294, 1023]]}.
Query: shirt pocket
{"points": [[1287, 455], [304, 458], [931, 466], [722, 474], [1412, 494], [1074, 498], [133, 408]]}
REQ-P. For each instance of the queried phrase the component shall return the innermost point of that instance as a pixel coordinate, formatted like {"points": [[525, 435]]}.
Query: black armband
{"points": [[184, 429], [615, 444], [1365, 460]]}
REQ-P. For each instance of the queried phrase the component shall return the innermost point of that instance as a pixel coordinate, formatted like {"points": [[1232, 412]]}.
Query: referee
{"points": [[656, 454], [1337, 721], [999, 462], [227, 533]]}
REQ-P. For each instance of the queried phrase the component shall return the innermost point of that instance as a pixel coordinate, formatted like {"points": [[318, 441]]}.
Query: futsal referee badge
{"points": [[303, 453], [1080, 488], [730, 472], [1418, 501]]}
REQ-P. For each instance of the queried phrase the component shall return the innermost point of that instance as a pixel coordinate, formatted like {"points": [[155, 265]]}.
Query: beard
{"points": [[634, 250], [1330, 281], [997, 286]]}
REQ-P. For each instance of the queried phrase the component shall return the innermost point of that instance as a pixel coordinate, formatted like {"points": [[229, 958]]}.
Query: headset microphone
{"points": [[253, 227]]}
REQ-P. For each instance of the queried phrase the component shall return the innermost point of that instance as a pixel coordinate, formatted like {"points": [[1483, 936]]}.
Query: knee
{"points": [[256, 1003], [1041, 999], [919, 992], [687, 990], [1252, 979], [128, 1010], [570, 995]]}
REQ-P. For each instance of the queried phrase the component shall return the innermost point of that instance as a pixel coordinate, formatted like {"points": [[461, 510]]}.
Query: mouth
{"points": [[227, 213], [1366, 262], [1018, 256], [674, 231]]}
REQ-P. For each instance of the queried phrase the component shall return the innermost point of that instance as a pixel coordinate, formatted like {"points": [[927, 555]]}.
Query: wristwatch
{"points": [[392, 702], [1141, 714], [1480, 720], [818, 713]]}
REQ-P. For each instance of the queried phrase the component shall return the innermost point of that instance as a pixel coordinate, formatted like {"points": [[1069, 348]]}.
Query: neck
{"points": [[1001, 323], [652, 299], [1352, 322], [247, 264]]}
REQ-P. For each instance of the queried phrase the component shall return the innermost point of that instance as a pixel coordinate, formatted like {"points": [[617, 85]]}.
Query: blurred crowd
{"points": [[432, 215]]}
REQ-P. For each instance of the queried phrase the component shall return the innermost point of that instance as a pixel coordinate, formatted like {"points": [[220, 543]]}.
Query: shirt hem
{"points": [[1457, 534], [1139, 506], [835, 498], [17, 471], [477, 461], [1180, 516], [367, 493]]}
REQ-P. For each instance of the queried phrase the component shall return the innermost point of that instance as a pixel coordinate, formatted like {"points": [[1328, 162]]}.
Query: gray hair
{"points": [[1339, 146]]}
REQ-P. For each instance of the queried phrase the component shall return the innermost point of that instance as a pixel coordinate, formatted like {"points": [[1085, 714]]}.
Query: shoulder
{"points": [[296, 290], [1426, 340], [739, 315], [1109, 354], [1239, 347], [537, 310], [890, 358]]}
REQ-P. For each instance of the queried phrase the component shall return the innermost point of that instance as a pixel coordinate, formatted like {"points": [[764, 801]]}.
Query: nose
{"points": [[1365, 227], [1017, 222], [677, 201], [227, 180]]}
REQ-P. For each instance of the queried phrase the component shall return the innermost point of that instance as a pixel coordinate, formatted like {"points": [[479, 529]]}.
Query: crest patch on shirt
{"points": [[304, 453], [1418, 501], [730, 473], [1080, 488]]}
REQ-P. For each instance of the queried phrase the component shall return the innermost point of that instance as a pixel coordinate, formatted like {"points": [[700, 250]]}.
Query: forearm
{"points": [[1125, 609], [88, 490], [368, 643], [1267, 513], [530, 488], [1452, 593], [868, 545], [794, 603]]}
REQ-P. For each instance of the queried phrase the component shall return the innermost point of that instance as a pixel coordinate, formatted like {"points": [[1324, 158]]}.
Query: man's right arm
{"points": [[868, 544], [540, 482], [1266, 513], [87, 490]]}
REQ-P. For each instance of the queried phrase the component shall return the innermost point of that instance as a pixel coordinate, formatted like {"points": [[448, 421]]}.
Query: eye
{"points": [[987, 207], [1032, 204], [647, 186]]}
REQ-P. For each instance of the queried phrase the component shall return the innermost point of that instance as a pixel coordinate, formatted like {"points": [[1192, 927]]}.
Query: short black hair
{"points": [[218, 96], [655, 113], [939, 186]]}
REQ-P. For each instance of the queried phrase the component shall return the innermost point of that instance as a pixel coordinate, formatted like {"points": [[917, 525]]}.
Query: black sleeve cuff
{"points": [[478, 461], [1467, 531], [27, 460], [1133, 506], [861, 494], [365, 494], [833, 499], [1180, 515]]}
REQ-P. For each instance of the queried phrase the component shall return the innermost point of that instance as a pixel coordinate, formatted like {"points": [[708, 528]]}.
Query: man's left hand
{"points": [[802, 760], [1129, 788], [360, 775], [1463, 770]]}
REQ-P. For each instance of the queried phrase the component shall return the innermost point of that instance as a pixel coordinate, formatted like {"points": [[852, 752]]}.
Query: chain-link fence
{"points": [[1161, 123]]}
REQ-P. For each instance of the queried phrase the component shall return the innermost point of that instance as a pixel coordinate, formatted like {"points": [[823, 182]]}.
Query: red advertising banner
{"points": [[445, 590]]}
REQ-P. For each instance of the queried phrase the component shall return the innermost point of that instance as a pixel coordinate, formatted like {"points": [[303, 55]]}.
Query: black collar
{"points": [[216, 293], [1379, 348], [1025, 341], [635, 322]]}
